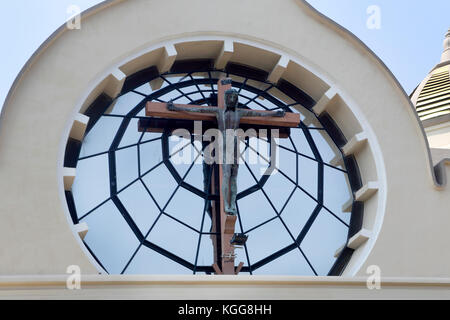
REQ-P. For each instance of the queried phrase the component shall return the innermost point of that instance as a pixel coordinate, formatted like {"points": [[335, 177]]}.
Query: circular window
{"points": [[144, 193]]}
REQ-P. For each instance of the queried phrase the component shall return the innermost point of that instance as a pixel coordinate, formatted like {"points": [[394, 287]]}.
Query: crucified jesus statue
{"points": [[228, 119]]}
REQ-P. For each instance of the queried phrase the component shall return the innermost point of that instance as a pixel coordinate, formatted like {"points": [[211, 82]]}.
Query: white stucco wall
{"points": [[52, 88]]}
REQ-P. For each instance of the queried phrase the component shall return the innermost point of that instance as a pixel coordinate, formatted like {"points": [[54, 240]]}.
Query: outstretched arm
{"points": [[172, 107], [252, 113]]}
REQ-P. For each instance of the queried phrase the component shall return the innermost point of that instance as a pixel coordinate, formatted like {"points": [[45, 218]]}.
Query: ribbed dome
{"points": [[434, 99], [432, 96], [446, 53]]}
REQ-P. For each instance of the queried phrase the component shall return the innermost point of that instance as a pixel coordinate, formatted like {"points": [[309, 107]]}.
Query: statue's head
{"points": [[231, 99]]}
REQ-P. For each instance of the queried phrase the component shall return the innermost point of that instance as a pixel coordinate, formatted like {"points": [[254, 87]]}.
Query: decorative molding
{"points": [[363, 194], [359, 239], [367, 191], [82, 229], [164, 64], [115, 83], [167, 59], [355, 144], [325, 101], [219, 287], [279, 69], [69, 177], [225, 55], [79, 127]]}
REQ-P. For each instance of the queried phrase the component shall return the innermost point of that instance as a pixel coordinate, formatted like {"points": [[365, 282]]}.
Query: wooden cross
{"points": [[223, 224]]}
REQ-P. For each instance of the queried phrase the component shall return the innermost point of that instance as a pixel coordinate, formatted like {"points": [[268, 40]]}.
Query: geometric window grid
{"points": [[149, 214]]}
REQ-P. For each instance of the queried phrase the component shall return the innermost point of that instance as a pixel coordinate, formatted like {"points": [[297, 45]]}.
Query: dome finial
{"points": [[446, 54]]}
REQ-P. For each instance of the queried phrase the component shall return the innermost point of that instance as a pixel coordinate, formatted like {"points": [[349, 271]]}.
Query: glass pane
{"points": [[195, 176], [324, 238], [257, 157], [250, 216], [148, 261], [244, 179], [140, 206], [266, 240], [161, 184], [278, 189], [131, 135], [258, 104], [101, 136], [91, 184], [150, 136], [124, 104], [110, 237], [195, 96], [187, 207], [182, 99], [297, 212], [335, 197], [206, 252], [247, 98], [267, 104], [207, 223], [145, 89], [308, 175], [150, 154], [170, 96], [182, 154], [323, 143], [292, 263], [287, 163], [286, 144], [175, 237], [300, 142], [126, 167]]}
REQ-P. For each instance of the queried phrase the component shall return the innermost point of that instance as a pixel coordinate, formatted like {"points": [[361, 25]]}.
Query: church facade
{"points": [[385, 220]]}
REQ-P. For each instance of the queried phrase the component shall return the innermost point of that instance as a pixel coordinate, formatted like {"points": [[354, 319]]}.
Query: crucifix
{"points": [[225, 116]]}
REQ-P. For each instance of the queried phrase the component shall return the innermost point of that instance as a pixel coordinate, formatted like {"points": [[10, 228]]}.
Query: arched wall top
{"points": [[55, 82], [106, 4]]}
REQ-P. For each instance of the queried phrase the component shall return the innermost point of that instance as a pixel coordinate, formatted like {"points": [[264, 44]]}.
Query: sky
{"points": [[410, 37], [408, 40]]}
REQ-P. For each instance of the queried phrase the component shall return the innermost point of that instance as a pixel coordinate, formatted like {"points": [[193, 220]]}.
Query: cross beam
{"points": [[159, 125], [159, 110], [223, 224]]}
